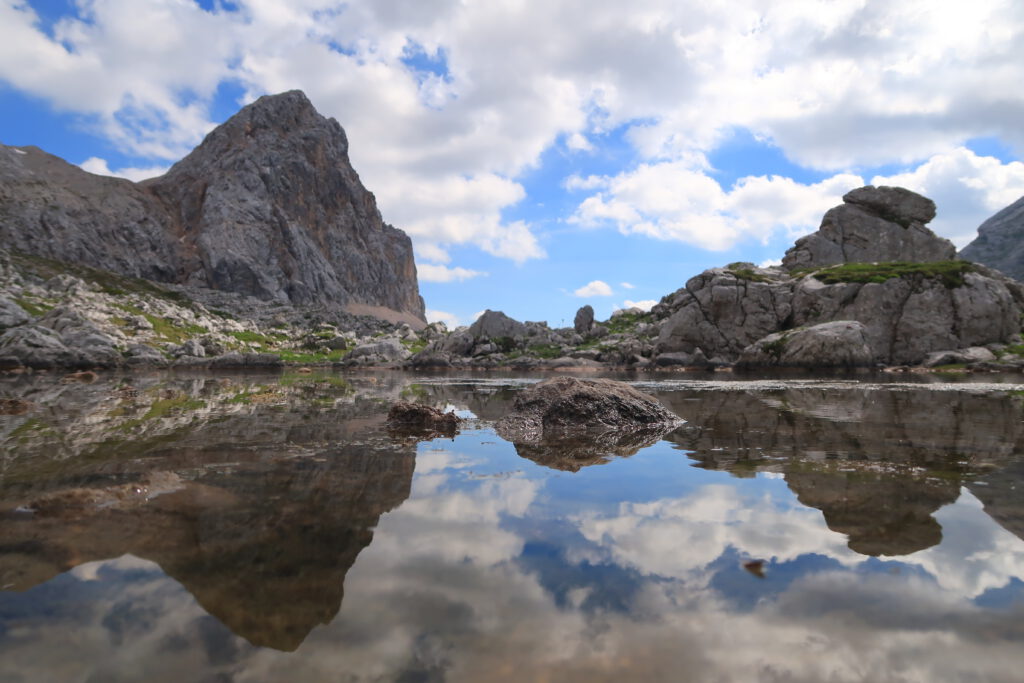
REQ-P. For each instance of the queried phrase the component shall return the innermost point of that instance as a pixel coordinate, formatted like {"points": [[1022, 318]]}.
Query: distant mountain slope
{"points": [[267, 206], [1000, 242]]}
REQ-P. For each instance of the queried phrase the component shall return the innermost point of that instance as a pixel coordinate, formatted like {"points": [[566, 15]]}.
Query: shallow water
{"points": [[270, 528]]}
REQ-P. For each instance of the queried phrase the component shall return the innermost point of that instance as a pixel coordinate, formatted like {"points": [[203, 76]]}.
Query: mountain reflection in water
{"points": [[270, 528]]}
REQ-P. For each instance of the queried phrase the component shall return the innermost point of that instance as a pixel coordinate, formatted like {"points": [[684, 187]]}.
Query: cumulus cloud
{"points": [[593, 288], [644, 305], [967, 189], [449, 319], [673, 201], [836, 86], [434, 273], [100, 167]]}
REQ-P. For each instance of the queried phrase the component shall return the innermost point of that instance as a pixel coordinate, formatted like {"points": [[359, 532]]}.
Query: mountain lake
{"points": [[233, 527]]}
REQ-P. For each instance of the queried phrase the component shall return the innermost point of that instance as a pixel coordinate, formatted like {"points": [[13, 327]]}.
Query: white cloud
{"points": [[100, 167], [836, 85], [673, 201], [769, 263], [431, 273], [644, 305], [626, 285], [579, 143], [967, 189], [594, 288], [449, 319]]}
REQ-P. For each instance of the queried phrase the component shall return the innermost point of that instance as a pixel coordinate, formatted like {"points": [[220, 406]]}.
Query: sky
{"points": [[547, 154]]}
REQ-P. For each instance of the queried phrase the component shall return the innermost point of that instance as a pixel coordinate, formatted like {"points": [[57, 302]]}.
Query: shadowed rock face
{"points": [[267, 206], [1000, 241]]}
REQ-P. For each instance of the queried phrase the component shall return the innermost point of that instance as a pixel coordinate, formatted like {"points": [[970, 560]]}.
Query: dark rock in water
{"points": [[567, 406], [1000, 242], [414, 417], [268, 206], [873, 224], [584, 320]]}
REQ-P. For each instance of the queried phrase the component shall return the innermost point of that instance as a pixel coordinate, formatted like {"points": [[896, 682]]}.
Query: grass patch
{"points": [[291, 356], [741, 271], [415, 345], [33, 308], [545, 350], [950, 273], [626, 322]]}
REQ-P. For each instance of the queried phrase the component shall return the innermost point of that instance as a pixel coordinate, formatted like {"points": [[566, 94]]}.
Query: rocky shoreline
{"points": [[840, 300]]}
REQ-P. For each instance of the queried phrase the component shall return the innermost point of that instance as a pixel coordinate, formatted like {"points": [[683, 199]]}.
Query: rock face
{"points": [[567, 406], [842, 343], [1000, 242], [584, 320], [873, 224], [267, 206]]}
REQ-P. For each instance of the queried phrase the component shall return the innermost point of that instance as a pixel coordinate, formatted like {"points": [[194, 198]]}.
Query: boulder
{"points": [[840, 343], [584, 320], [11, 314], [496, 325], [567, 406], [415, 417], [37, 347], [873, 224], [387, 350]]}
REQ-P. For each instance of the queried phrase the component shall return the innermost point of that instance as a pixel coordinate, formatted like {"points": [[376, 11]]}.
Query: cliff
{"points": [[267, 206]]}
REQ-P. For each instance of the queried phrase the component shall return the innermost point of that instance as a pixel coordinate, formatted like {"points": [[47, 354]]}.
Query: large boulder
{"points": [[496, 325], [584, 320], [873, 224], [570, 407], [723, 310], [840, 343]]}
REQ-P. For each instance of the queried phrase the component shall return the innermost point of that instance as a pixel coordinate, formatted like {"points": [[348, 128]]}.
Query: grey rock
{"points": [[567, 406], [191, 348], [721, 313], [840, 343], [495, 325], [11, 314], [1000, 241], [584, 320], [384, 350], [235, 359], [267, 206], [37, 347], [968, 356], [874, 224]]}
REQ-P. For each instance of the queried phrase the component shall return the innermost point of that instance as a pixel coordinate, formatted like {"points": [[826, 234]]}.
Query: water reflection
{"points": [[884, 529]]}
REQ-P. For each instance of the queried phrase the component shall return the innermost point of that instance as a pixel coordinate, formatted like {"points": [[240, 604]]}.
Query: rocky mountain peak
{"points": [[267, 206], [1000, 241]]}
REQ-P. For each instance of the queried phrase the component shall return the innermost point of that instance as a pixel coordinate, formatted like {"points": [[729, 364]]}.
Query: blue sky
{"points": [[549, 154]]}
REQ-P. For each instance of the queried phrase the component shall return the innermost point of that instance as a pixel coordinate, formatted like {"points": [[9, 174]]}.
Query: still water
{"points": [[271, 528]]}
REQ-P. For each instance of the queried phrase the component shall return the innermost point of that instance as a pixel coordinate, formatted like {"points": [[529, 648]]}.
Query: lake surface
{"points": [[271, 528]]}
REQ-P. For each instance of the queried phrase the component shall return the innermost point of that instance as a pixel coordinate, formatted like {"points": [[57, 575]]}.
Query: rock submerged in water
{"points": [[568, 406], [417, 418]]}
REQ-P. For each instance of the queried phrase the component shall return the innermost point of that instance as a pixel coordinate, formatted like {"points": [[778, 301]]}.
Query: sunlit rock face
{"points": [[267, 206]]}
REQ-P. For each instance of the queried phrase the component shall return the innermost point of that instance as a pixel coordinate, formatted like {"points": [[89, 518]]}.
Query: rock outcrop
{"points": [[873, 224], [842, 343], [567, 406], [1000, 242], [267, 206]]}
